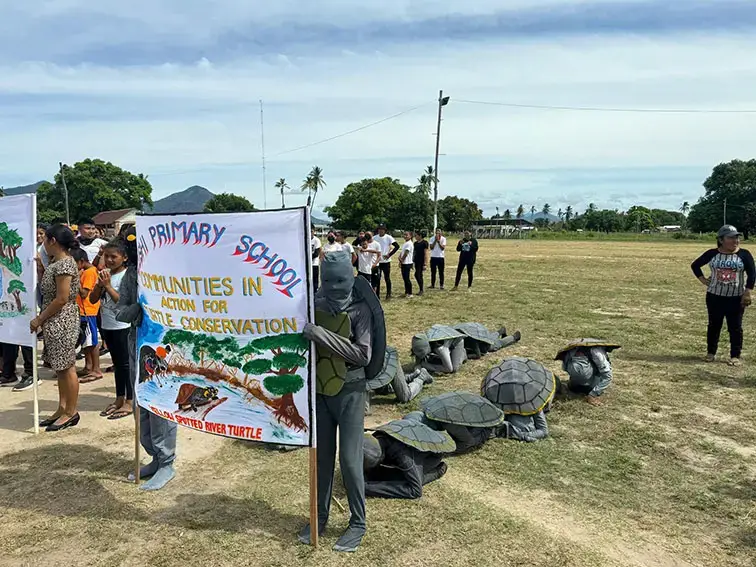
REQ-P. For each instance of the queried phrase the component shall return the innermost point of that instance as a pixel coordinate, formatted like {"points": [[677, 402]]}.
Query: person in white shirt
{"points": [[90, 243], [332, 245], [389, 247], [341, 239], [369, 256], [315, 247], [406, 261], [437, 260]]}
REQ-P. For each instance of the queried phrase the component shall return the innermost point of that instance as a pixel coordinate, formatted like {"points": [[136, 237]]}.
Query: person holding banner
{"points": [[340, 400], [59, 321], [157, 435]]}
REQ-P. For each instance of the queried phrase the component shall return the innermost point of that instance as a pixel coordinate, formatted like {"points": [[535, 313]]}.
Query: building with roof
{"points": [[113, 221]]}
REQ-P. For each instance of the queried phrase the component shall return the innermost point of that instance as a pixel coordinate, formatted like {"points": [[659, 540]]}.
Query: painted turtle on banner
{"points": [[191, 396], [520, 386], [152, 362], [418, 436], [585, 344], [462, 408], [388, 372]]}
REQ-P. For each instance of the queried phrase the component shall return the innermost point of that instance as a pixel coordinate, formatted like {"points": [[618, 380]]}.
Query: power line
{"points": [[365, 127], [609, 109]]}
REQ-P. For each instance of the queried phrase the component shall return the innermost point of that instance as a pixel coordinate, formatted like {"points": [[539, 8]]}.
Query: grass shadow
{"points": [[662, 358], [712, 378]]}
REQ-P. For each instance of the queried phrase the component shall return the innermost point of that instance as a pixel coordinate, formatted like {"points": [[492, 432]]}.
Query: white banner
{"points": [[18, 275], [225, 298]]}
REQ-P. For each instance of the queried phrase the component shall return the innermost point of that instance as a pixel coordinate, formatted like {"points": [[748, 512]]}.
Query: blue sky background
{"points": [[170, 88]]}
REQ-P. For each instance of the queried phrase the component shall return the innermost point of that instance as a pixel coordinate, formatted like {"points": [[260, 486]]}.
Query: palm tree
{"points": [[685, 208], [591, 208], [507, 214], [520, 211], [424, 185], [312, 184], [282, 186], [560, 214], [532, 212], [546, 209], [568, 213]]}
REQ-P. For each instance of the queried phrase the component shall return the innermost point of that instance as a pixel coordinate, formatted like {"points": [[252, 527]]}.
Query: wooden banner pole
{"points": [[35, 379], [314, 496], [137, 411]]}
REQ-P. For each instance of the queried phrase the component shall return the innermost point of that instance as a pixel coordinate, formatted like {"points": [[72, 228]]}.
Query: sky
{"points": [[171, 89]]}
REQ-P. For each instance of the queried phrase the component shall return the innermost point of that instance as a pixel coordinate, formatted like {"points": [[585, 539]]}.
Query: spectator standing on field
{"points": [[10, 357], [331, 244], [389, 247], [88, 311], [728, 292], [406, 259], [341, 239], [315, 248], [90, 242], [368, 257], [437, 261], [468, 254], [420, 259]]}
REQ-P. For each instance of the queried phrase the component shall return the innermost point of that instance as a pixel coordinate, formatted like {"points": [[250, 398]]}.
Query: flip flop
{"points": [[118, 414], [108, 410], [90, 378], [82, 372]]}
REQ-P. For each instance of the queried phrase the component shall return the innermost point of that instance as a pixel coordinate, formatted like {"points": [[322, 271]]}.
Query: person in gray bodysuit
{"points": [[589, 370], [396, 470], [527, 428], [157, 435], [405, 387], [345, 411], [439, 357]]}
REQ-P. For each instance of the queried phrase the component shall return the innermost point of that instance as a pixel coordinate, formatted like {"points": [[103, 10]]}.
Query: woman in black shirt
{"points": [[420, 258], [468, 253], [729, 286]]}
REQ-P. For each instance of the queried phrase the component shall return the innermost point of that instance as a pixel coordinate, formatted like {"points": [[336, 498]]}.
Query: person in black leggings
{"points": [[729, 287], [468, 253], [406, 261], [420, 259]]}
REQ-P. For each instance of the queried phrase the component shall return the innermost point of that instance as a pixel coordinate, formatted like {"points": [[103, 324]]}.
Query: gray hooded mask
{"points": [[336, 282]]}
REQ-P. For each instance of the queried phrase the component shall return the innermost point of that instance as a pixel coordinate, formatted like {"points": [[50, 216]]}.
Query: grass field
{"points": [[664, 474]]}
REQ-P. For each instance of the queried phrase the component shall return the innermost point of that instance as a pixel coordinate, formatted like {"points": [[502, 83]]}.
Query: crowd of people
{"points": [[372, 254]]}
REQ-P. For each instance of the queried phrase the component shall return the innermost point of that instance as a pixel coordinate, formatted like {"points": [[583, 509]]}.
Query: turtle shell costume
{"points": [[479, 340], [587, 363], [522, 388], [392, 379], [350, 337], [402, 456], [470, 419], [440, 349]]}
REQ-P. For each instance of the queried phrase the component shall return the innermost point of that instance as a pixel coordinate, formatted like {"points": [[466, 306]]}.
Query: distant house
{"points": [[112, 221], [501, 228], [670, 228]]}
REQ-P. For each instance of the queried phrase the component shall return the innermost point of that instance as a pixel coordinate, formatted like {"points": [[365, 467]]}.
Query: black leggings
{"points": [[385, 269], [419, 267], [10, 357], [315, 277], [406, 271], [437, 264], [460, 268], [721, 308], [118, 344]]}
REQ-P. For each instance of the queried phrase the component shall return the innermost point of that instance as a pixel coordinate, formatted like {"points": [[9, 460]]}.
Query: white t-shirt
{"points": [[348, 247], [385, 243], [107, 306], [408, 247], [366, 260], [437, 252], [93, 249], [314, 245], [335, 247], [43, 255]]}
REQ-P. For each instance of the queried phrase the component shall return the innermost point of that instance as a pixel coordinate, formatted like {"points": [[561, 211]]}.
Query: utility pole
{"points": [[442, 101], [724, 211], [65, 192], [262, 140]]}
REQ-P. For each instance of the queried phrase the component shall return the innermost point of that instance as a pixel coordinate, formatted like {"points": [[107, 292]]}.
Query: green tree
{"points": [[749, 220], [16, 288], [312, 184], [457, 214], [363, 204], [734, 182], [560, 215], [532, 212], [638, 219], [228, 203], [10, 242], [507, 214], [426, 181], [288, 355], [568, 214], [546, 209], [520, 211], [282, 186], [93, 186], [591, 208]]}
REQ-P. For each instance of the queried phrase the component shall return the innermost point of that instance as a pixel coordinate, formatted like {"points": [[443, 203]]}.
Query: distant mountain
{"points": [[320, 222], [540, 215], [22, 189], [191, 200]]}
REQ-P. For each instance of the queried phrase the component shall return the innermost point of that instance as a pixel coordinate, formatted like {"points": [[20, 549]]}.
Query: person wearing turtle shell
{"points": [[392, 380], [157, 435], [522, 388], [350, 336], [440, 350], [728, 290], [402, 456], [587, 363], [469, 419], [479, 340]]}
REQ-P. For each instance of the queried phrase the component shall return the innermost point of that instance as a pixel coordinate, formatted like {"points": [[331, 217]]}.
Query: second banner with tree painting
{"points": [[225, 298]]}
